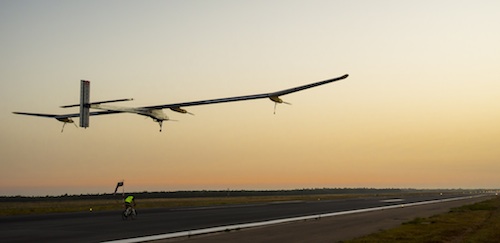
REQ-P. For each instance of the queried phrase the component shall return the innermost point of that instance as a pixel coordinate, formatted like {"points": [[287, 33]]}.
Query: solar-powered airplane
{"points": [[156, 111]]}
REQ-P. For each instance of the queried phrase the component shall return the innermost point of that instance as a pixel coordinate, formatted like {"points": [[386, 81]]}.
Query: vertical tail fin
{"points": [[84, 103]]}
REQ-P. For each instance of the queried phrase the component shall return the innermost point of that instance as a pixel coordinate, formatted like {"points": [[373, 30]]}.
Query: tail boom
{"points": [[84, 103]]}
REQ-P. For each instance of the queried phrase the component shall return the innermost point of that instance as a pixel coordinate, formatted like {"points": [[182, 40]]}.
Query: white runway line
{"points": [[277, 221], [392, 200]]}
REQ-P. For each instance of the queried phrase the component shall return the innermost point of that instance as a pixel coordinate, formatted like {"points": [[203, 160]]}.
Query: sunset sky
{"points": [[420, 108]]}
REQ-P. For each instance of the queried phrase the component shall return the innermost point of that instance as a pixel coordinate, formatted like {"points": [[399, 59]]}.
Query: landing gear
{"points": [[64, 124], [161, 124], [66, 120], [279, 102]]}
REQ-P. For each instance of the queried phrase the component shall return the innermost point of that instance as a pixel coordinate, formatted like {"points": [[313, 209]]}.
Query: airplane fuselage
{"points": [[155, 114]]}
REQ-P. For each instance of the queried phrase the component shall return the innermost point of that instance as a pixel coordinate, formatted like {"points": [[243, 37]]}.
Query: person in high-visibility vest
{"points": [[129, 201]]}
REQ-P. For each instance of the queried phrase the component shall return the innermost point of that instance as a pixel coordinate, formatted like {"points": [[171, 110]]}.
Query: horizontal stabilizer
{"points": [[98, 102]]}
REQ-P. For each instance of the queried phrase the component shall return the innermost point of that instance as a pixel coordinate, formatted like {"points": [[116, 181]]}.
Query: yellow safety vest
{"points": [[129, 199]]}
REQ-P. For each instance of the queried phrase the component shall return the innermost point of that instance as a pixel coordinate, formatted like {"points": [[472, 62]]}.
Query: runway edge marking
{"points": [[277, 221]]}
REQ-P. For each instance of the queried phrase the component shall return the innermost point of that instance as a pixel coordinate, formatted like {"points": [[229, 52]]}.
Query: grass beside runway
{"points": [[477, 222], [64, 206], [42, 206], [47, 207]]}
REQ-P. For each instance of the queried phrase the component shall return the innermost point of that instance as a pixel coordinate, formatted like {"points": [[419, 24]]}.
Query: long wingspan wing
{"points": [[246, 97], [273, 96], [42, 115], [308, 86], [62, 116]]}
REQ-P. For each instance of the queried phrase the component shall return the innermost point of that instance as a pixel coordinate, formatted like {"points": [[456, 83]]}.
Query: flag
{"points": [[119, 184]]}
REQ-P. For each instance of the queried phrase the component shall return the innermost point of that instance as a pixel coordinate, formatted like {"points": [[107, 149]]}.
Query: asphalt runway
{"points": [[107, 226], [329, 229]]}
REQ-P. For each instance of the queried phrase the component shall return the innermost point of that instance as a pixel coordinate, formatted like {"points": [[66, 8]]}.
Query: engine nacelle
{"points": [[276, 99], [178, 109], [65, 119]]}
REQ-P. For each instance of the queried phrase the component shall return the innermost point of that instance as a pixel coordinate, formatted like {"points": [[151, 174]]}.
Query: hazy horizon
{"points": [[60, 192]]}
